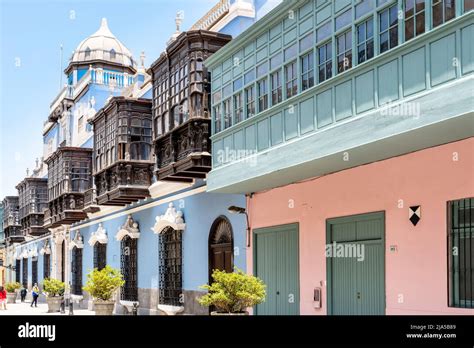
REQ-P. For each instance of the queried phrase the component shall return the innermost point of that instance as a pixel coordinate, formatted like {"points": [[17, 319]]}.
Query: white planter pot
{"points": [[104, 307]]}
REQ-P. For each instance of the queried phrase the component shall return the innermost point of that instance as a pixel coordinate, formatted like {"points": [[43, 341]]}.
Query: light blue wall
{"points": [[200, 211]]}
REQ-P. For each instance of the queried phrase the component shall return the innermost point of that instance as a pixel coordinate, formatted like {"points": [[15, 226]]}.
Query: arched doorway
{"points": [[221, 246]]}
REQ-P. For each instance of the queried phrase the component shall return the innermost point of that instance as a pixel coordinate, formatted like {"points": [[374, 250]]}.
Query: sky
{"points": [[31, 33]]}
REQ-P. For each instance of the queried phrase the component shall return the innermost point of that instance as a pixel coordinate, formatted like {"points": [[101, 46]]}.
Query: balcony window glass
{"points": [[364, 7], [238, 84], [238, 108], [324, 31], [468, 5], [306, 42], [344, 51], [307, 71], [414, 18], [291, 52], [443, 11], [262, 69], [388, 26], [277, 95], [325, 61], [291, 80], [217, 118], [250, 101], [262, 95], [227, 114], [365, 41], [249, 77], [343, 19], [276, 61]]}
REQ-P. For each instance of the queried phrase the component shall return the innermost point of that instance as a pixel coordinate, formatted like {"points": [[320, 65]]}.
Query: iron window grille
{"points": [[170, 267], [25, 273], [34, 272], [46, 266], [461, 253], [100, 255], [63, 261], [76, 269], [129, 269], [18, 271]]}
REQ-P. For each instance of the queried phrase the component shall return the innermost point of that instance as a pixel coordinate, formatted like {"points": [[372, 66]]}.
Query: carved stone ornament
{"points": [[45, 249], [99, 236], [171, 218], [77, 242], [130, 228]]}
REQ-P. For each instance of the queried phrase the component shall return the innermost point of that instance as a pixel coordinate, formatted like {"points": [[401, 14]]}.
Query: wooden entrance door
{"points": [[221, 246]]}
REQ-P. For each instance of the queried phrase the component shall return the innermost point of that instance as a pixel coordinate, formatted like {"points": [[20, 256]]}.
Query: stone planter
{"points": [[230, 314], [54, 303], [104, 307], [11, 297]]}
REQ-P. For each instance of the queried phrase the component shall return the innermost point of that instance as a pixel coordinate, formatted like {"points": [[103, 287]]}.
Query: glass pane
{"points": [[364, 7], [343, 19], [324, 31], [420, 23], [409, 29]]}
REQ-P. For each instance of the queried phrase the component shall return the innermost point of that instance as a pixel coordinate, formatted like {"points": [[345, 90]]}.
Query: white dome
{"points": [[103, 45]]}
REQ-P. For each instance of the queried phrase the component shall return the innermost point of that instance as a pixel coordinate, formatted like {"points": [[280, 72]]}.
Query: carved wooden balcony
{"points": [[69, 177], [123, 169], [184, 153], [11, 220], [90, 201], [33, 200]]}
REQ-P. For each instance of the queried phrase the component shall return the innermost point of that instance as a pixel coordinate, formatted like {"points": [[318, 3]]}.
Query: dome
{"points": [[103, 45]]}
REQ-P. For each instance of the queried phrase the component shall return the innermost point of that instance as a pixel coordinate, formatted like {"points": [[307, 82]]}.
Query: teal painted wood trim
{"points": [[414, 76], [359, 217]]}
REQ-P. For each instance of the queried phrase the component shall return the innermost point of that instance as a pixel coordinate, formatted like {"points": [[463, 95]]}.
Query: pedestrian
{"points": [[23, 292], [35, 293], [3, 298]]}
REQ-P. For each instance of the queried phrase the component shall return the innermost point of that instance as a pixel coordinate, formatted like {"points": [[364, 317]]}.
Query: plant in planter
{"points": [[54, 290], [233, 293], [12, 289], [101, 285]]}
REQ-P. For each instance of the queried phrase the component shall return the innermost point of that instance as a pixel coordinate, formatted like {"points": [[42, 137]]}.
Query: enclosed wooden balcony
{"points": [[123, 168], [11, 221], [69, 177], [33, 200]]}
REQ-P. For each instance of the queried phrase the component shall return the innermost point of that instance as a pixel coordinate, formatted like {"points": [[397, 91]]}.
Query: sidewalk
{"points": [[24, 308]]}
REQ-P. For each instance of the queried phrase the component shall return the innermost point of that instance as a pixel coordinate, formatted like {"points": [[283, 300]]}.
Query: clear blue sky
{"points": [[33, 30]]}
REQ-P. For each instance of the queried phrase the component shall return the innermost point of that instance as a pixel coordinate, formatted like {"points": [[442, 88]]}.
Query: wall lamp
{"points": [[239, 210]]}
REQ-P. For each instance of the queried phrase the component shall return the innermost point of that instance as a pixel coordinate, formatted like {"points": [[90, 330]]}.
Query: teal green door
{"points": [[276, 263], [356, 265]]}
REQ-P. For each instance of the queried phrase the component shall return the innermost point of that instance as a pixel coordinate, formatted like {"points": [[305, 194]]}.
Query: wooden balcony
{"points": [[13, 234], [124, 182], [183, 154], [65, 210], [90, 201], [33, 200]]}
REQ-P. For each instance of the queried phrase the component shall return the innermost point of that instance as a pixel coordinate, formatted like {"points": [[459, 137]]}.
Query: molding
{"points": [[160, 188], [33, 252], [130, 228], [237, 9], [99, 236], [172, 218], [77, 242], [46, 248]]}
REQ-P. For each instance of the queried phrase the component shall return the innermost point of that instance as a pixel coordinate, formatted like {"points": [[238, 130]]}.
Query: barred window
{"points": [[170, 267], [18, 271], [34, 271], [129, 269], [100, 255], [461, 253], [76, 271], [25, 273], [46, 266]]}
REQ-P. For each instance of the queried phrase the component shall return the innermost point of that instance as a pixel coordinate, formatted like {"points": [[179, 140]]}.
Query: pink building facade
{"points": [[416, 261]]}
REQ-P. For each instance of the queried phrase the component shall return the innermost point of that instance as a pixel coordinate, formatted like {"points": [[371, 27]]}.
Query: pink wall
{"points": [[418, 270]]}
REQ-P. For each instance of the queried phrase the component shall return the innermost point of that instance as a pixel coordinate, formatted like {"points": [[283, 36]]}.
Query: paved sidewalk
{"points": [[24, 308]]}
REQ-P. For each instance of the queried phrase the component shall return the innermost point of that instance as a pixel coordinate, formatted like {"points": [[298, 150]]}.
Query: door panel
{"points": [[276, 263], [370, 281], [344, 287]]}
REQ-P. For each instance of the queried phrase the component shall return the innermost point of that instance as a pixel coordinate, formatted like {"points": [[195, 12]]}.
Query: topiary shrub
{"points": [[102, 284], [12, 287], [53, 287], [233, 292]]}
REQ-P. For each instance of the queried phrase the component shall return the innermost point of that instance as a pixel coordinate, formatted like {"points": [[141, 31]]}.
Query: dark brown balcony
{"points": [[90, 201], [33, 200], [11, 220], [184, 153], [123, 169], [69, 177]]}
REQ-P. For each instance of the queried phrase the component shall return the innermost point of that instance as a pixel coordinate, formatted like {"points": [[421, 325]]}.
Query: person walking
{"points": [[35, 293], [3, 298], [23, 292]]}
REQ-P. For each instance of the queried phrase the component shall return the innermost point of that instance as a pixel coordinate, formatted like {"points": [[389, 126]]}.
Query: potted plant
{"points": [[54, 290], [101, 285], [233, 293], [12, 289]]}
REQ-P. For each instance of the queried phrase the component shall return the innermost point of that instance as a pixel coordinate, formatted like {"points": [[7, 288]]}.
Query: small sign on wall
{"points": [[415, 214]]}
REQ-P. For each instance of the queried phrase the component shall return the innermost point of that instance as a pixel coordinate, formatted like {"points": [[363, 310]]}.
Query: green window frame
{"points": [[365, 41], [307, 71], [291, 79], [442, 11], [277, 93], [238, 108], [344, 51], [262, 90], [226, 107], [325, 61], [250, 101], [388, 29], [414, 18]]}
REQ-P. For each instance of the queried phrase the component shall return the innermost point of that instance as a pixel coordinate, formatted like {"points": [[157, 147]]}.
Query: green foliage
{"points": [[12, 287], [102, 284], [53, 287], [233, 292]]}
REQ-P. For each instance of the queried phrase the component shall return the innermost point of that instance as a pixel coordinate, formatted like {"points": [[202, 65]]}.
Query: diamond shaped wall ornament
{"points": [[415, 214]]}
